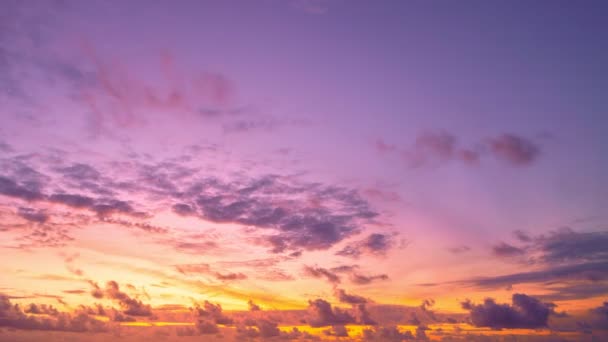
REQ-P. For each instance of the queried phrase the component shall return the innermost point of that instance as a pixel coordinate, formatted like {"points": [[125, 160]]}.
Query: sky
{"points": [[303, 170]]}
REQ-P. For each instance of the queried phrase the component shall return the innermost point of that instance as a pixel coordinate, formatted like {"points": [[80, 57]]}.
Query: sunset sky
{"points": [[354, 170]]}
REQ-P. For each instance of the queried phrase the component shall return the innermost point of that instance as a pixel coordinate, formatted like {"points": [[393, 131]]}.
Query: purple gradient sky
{"points": [[458, 122]]}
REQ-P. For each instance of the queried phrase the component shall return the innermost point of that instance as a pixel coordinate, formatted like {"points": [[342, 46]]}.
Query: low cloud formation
{"points": [[43, 317], [524, 312], [321, 313], [211, 312], [129, 306], [253, 306], [434, 148], [390, 333]]}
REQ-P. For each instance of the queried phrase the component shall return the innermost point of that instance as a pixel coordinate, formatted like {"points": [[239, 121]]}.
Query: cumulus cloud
{"points": [[321, 313], [129, 306], [524, 312], [43, 317], [387, 333], [253, 306], [211, 312]]}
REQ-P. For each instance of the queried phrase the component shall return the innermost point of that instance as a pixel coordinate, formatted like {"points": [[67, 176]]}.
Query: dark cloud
{"points": [[211, 312], [361, 314], [41, 309], [299, 216], [10, 188], [572, 265], [506, 250], [321, 313], [391, 333], [33, 215], [344, 297], [374, 244], [360, 279], [47, 318], [253, 306], [566, 245], [206, 327], [71, 200], [585, 271], [524, 312], [514, 150], [264, 328], [602, 310], [434, 148], [320, 272], [337, 330], [129, 306], [336, 214], [183, 209]]}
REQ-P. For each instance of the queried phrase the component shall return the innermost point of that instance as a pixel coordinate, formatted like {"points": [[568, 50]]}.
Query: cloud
{"points": [[47, 318], [361, 279], [320, 313], [320, 272], [435, 148], [337, 330], [33, 215], [129, 306], [264, 329], [344, 297], [566, 245], [374, 244], [585, 271], [361, 315], [524, 312], [211, 312], [388, 333], [506, 250], [571, 264], [253, 306], [514, 150], [299, 216], [10, 188]]}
